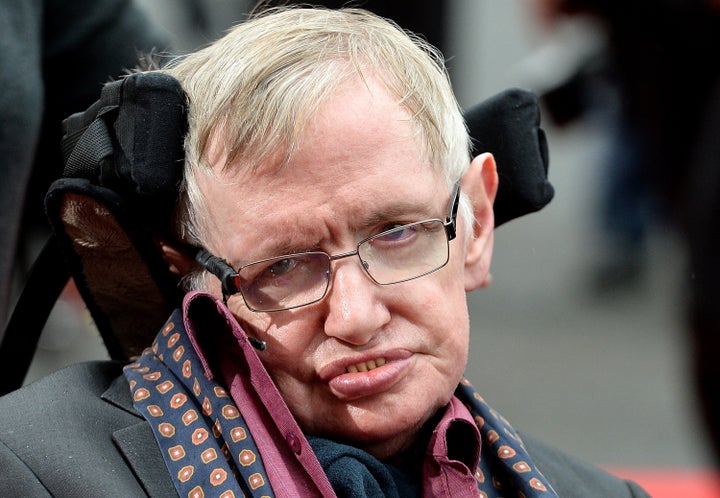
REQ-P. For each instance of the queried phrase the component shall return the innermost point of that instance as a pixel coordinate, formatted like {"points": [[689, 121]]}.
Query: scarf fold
{"points": [[209, 450]]}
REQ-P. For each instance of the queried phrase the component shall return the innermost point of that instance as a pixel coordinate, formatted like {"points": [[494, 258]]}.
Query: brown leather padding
{"points": [[117, 279]]}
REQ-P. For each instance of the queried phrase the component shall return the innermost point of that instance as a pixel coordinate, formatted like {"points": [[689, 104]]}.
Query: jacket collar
{"points": [[137, 444]]}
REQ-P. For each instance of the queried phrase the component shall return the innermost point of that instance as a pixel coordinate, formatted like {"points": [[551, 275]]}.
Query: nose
{"points": [[355, 310]]}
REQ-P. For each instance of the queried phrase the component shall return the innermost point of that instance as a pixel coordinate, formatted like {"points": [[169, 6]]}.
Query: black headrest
{"points": [[508, 126]]}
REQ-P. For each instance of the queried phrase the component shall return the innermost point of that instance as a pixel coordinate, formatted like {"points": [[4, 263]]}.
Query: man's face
{"points": [[359, 171]]}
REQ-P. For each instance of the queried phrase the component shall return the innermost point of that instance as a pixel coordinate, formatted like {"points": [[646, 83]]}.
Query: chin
{"points": [[380, 434]]}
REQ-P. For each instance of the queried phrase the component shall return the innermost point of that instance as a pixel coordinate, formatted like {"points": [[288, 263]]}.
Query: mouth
{"points": [[366, 366], [371, 363], [369, 377]]}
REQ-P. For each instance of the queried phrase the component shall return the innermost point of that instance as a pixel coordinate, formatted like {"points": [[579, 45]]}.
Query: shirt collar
{"points": [[456, 436]]}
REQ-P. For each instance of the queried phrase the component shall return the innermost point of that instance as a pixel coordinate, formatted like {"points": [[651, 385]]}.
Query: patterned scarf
{"points": [[209, 451], [203, 437]]}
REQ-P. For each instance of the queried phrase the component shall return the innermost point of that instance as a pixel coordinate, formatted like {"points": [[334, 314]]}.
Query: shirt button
{"points": [[294, 442]]}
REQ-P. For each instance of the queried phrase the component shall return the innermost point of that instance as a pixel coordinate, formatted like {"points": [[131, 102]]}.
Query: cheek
{"points": [[446, 320], [289, 345], [437, 310], [441, 299]]}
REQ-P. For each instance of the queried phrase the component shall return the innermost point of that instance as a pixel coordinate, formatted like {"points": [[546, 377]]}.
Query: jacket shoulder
{"points": [[574, 478], [73, 383], [57, 434]]}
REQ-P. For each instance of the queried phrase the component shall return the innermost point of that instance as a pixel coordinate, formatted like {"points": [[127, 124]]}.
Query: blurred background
{"points": [[582, 337]]}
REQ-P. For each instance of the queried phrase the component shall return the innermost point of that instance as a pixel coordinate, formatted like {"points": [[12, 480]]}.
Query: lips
{"points": [[367, 377], [361, 363]]}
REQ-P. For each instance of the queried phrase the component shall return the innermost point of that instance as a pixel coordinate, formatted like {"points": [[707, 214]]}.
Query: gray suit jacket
{"points": [[76, 433]]}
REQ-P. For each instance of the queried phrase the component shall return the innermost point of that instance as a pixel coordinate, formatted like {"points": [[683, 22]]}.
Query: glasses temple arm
{"points": [[451, 220], [220, 268]]}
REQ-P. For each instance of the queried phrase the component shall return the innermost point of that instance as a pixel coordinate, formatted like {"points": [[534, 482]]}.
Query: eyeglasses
{"points": [[290, 281]]}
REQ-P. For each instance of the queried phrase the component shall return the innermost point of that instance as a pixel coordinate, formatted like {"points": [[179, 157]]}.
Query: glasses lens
{"points": [[285, 282], [406, 252]]}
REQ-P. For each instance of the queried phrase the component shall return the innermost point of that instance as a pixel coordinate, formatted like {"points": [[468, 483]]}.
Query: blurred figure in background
{"points": [[55, 56], [660, 59]]}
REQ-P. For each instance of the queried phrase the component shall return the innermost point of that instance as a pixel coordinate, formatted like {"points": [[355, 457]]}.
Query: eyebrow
{"points": [[403, 212]]}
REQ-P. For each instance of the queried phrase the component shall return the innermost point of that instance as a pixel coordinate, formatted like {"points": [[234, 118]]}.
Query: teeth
{"points": [[366, 366]]}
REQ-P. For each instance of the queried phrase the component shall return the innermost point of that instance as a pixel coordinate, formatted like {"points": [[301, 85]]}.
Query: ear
{"points": [[178, 262], [480, 184]]}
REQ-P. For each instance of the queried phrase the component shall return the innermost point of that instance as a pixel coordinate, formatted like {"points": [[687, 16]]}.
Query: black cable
{"points": [[45, 281]]}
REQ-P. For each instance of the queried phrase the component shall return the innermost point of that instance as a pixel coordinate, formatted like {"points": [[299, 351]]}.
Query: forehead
{"points": [[359, 157]]}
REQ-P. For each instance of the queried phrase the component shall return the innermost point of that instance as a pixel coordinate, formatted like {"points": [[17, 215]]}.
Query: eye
{"points": [[279, 268], [266, 271], [396, 233]]}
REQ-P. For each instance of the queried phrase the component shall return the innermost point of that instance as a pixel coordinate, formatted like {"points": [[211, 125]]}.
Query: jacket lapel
{"points": [[137, 444]]}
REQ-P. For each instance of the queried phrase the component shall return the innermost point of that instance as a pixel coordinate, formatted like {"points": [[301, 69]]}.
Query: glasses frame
{"points": [[230, 278]]}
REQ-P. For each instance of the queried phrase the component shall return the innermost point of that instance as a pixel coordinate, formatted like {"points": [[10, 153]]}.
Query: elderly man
{"points": [[338, 218]]}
